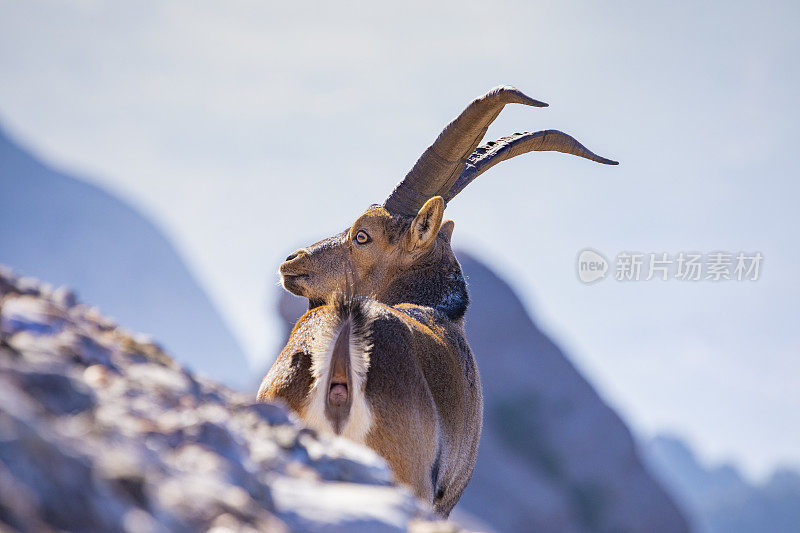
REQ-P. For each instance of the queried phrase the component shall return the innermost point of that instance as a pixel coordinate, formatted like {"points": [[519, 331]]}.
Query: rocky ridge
{"points": [[100, 430]]}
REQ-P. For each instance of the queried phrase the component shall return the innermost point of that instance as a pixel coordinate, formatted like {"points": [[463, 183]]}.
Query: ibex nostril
{"points": [[294, 255]]}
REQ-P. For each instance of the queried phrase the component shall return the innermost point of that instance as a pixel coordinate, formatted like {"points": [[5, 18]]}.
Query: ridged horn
{"points": [[488, 155], [436, 171]]}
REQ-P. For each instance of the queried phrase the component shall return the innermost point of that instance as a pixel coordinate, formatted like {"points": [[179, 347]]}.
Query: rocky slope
{"points": [[101, 431]]}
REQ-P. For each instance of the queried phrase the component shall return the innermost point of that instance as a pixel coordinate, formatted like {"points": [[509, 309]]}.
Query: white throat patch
{"points": [[359, 420]]}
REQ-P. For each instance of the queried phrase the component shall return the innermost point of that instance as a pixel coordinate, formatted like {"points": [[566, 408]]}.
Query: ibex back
{"points": [[381, 357]]}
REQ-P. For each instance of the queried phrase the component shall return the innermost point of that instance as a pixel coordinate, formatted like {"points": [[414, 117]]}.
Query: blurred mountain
{"points": [[59, 228], [553, 456], [719, 499]]}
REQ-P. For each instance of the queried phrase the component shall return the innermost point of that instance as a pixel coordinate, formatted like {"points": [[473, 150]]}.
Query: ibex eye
{"points": [[362, 237]]}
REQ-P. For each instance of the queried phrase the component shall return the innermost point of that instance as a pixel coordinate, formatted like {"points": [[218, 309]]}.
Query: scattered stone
{"points": [[101, 431], [64, 297]]}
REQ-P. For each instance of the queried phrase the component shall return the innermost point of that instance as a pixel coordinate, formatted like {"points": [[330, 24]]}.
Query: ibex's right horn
{"points": [[441, 164], [493, 152]]}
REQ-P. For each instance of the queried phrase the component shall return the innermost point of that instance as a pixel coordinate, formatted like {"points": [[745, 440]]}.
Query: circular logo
{"points": [[592, 266]]}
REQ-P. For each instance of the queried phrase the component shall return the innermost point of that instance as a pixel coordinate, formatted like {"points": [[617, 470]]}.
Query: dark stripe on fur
{"points": [[435, 474], [356, 309]]}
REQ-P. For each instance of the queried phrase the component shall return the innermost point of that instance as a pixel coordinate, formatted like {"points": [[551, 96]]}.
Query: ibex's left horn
{"points": [[491, 153], [440, 165]]}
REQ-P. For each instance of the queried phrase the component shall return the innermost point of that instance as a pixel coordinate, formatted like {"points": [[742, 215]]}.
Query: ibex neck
{"points": [[440, 286]]}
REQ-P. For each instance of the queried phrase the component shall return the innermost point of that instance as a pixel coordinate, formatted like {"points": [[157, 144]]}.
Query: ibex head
{"points": [[371, 255], [384, 253]]}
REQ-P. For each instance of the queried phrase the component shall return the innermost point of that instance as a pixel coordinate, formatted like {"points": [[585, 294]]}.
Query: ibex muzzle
{"points": [[381, 356], [306, 271]]}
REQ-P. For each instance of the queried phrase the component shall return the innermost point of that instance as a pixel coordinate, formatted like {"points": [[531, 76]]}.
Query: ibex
{"points": [[381, 357]]}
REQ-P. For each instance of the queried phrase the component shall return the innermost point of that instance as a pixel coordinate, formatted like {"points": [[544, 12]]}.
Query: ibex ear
{"points": [[447, 229], [425, 225]]}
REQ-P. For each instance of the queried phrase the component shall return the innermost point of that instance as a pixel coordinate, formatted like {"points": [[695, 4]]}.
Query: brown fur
{"points": [[422, 384]]}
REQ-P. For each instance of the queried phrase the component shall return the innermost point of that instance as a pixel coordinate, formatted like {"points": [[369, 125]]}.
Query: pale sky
{"points": [[245, 129]]}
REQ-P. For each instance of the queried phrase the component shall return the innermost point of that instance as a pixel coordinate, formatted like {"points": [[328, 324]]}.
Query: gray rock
{"points": [[64, 297], [101, 431]]}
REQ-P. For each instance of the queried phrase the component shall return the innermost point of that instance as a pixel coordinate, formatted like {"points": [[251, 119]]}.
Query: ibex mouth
{"points": [[293, 282]]}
